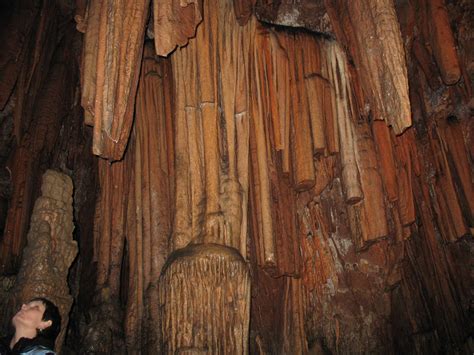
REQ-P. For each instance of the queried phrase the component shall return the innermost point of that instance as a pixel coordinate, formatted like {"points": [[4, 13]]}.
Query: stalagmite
{"points": [[50, 250], [372, 33], [212, 285]]}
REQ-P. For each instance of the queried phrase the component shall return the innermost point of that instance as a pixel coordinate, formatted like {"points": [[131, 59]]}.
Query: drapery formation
{"points": [[131, 239], [328, 178]]}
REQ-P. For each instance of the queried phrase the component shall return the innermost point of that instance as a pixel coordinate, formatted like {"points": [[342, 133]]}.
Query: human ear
{"points": [[45, 324]]}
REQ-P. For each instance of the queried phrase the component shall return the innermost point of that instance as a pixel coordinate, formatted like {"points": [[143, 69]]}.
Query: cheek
{"points": [[30, 318], [35, 318]]}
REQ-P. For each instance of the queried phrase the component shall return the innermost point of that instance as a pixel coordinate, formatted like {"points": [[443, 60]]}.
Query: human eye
{"points": [[33, 305]]}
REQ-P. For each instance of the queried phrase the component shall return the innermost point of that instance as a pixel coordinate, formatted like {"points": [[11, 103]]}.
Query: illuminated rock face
{"points": [[291, 147], [50, 248], [212, 284]]}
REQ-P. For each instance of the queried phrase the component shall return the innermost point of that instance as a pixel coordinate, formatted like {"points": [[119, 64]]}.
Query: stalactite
{"points": [[209, 179], [369, 214], [358, 233], [110, 72], [457, 162], [442, 42], [314, 83], [18, 27], [281, 89], [386, 159], [302, 143], [89, 61], [371, 32], [174, 23], [109, 235], [330, 103], [28, 85], [453, 223], [345, 122], [259, 147], [428, 66], [406, 203], [211, 133], [341, 284], [51, 99], [148, 215], [294, 341]]}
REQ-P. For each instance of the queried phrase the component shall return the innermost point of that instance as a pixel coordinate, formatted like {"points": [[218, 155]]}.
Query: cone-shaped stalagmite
{"points": [[50, 250]]}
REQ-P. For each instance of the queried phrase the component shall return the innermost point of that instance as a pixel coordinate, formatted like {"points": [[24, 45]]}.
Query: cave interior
{"points": [[235, 177]]}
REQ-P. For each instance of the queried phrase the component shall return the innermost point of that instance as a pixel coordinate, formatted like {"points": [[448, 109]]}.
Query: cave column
{"points": [[207, 270]]}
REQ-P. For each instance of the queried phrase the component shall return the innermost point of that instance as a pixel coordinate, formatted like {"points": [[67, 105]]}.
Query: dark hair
{"points": [[51, 312]]}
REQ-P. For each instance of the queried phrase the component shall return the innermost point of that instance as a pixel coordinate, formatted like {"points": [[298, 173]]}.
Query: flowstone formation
{"points": [[50, 249], [212, 284]]}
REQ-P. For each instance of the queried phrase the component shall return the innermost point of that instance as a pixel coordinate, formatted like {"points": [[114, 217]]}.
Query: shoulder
{"points": [[38, 350]]}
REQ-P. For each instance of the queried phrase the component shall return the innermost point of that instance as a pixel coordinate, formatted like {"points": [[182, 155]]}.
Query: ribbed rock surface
{"points": [[205, 301]]}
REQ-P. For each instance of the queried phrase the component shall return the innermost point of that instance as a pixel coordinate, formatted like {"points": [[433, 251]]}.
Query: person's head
{"points": [[41, 315]]}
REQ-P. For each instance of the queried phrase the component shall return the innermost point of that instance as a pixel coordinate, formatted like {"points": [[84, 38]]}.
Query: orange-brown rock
{"points": [[50, 249], [213, 282], [256, 166], [111, 66], [371, 33]]}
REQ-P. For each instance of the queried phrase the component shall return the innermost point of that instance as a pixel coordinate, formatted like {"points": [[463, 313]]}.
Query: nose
{"points": [[24, 306]]}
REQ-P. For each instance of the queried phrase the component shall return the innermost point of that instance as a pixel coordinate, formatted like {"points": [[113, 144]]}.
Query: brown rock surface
{"points": [[356, 237], [50, 249]]}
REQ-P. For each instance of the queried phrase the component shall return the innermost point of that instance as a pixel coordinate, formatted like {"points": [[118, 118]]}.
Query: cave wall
{"points": [[42, 128], [352, 150]]}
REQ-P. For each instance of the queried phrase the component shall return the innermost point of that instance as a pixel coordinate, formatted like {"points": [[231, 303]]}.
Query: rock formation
{"points": [[213, 283], [314, 157], [50, 249]]}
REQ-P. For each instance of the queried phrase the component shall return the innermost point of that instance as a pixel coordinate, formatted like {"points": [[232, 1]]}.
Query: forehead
{"points": [[37, 303]]}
